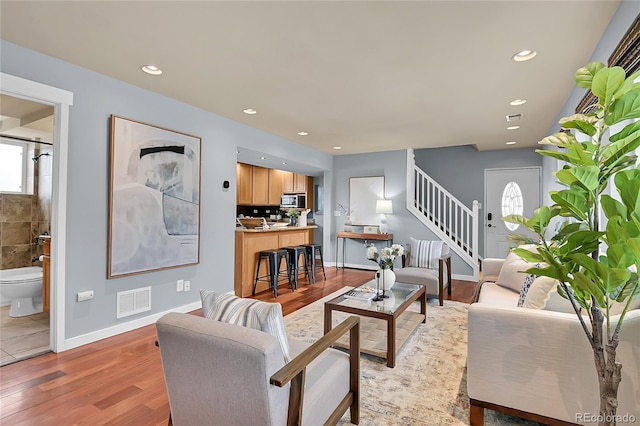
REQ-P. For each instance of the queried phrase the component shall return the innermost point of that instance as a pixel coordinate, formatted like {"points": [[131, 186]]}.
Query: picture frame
{"points": [[364, 192], [154, 198]]}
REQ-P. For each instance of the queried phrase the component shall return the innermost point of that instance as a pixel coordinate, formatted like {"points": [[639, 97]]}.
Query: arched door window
{"points": [[512, 203]]}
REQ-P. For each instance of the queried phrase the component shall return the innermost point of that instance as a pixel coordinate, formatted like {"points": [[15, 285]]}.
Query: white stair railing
{"points": [[448, 218]]}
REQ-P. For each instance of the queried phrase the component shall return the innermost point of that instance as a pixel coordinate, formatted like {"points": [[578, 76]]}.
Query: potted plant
{"points": [[293, 216], [595, 263]]}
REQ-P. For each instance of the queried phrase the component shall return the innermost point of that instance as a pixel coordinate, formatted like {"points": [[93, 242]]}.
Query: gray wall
{"points": [[95, 98], [461, 169]]}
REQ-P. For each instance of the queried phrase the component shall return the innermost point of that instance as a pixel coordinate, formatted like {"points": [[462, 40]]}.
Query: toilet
{"points": [[23, 287]]}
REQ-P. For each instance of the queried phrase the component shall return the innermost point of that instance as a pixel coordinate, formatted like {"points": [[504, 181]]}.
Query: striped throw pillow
{"points": [[263, 316], [425, 254]]}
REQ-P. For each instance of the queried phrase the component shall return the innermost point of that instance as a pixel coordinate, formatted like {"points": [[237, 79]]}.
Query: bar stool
{"points": [[313, 251], [274, 257], [294, 263]]}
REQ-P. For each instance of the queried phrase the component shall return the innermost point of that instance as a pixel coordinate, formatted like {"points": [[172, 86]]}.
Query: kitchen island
{"points": [[249, 242]]}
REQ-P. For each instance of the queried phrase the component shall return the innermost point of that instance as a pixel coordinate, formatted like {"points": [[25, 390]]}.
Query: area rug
{"points": [[428, 385]]}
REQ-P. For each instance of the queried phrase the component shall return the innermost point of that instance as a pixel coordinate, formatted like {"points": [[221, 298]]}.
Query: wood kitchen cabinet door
{"points": [[275, 186], [260, 186], [299, 183], [287, 182], [244, 181]]}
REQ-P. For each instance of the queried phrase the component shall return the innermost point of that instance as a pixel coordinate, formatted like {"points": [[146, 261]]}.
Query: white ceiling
{"points": [[365, 75]]}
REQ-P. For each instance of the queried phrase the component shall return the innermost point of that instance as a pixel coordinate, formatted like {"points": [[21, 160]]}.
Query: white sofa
{"points": [[537, 363]]}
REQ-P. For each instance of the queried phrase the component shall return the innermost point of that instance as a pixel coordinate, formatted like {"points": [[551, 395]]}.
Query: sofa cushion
{"points": [[512, 273], [263, 316], [425, 254], [493, 294], [420, 276]]}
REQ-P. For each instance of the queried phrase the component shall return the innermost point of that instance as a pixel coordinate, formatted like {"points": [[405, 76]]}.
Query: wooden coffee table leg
{"points": [[327, 320], [391, 342]]}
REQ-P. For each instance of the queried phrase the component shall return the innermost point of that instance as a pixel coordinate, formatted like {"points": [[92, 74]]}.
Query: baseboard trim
{"points": [[463, 278], [94, 336]]}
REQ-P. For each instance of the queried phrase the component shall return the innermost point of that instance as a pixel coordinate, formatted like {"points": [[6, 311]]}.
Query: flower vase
{"points": [[387, 278]]}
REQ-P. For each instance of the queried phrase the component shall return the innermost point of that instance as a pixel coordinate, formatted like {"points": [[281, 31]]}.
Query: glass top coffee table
{"points": [[375, 338]]}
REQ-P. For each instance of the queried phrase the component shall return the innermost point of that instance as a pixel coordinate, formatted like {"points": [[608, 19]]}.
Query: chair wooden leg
{"points": [[170, 420]]}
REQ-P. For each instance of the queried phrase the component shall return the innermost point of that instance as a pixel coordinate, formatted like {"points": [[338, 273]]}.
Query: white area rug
{"points": [[428, 385]]}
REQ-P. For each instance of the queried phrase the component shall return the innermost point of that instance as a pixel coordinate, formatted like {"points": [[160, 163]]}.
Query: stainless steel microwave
{"points": [[293, 201]]}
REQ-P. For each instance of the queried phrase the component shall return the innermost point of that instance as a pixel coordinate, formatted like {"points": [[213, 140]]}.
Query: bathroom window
{"points": [[13, 163], [512, 203]]}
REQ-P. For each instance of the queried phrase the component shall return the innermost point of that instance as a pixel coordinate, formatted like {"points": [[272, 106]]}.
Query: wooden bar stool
{"points": [[294, 263], [315, 251], [274, 257]]}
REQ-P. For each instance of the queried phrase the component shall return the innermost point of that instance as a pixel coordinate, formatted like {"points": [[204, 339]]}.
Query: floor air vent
{"points": [[133, 302]]}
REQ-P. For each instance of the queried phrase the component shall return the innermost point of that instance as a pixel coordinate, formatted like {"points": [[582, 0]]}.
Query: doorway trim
{"points": [[61, 100]]}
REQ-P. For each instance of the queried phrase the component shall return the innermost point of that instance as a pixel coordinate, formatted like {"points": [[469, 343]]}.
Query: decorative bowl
{"points": [[279, 224], [250, 222]]}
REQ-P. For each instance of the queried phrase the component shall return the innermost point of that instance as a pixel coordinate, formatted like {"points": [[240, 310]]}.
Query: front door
{"points": [[508, 191]]}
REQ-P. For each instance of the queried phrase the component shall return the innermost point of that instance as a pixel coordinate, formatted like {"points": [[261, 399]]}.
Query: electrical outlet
{"points": [[84, 295], [180, 285], [187, 286]]}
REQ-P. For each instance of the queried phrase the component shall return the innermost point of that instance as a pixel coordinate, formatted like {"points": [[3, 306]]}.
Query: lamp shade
{"points": [[384, 206]]}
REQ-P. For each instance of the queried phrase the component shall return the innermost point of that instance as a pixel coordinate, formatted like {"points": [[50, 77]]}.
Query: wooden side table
{"points": [[359, 236]]}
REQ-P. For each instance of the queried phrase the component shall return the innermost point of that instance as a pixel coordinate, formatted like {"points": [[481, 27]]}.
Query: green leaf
{"points": [[529, 256], [573, 203], [560, 139], [582, 122], [625, 108], [606, 82], [612, 278], [587, 286], [629, 129], [555, 154], [540, 220], [620, 256], [584, 76], [628, 85], [612, 207], [634, 246]]}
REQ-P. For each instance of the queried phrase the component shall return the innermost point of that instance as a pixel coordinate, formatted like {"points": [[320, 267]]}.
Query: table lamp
{"points": [[384, 207]]}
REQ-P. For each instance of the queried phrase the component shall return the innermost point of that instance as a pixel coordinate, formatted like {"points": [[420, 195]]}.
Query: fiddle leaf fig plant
{"points": [[595, 262]]}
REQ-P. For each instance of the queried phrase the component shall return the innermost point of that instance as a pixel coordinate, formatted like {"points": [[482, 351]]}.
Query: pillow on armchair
{"points": [[425, 254], [256, 314]]}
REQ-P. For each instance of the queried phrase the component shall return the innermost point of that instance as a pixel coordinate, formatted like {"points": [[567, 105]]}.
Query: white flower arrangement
{"points": [[386, 257]]}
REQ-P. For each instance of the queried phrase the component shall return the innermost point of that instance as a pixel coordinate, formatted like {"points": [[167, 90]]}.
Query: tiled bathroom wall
{"points": [[24, 217]]}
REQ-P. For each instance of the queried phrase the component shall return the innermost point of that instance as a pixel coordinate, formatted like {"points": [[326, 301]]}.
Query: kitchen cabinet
{"points": [[260, 189], [294, 183], [275, 187], [244, 182]]}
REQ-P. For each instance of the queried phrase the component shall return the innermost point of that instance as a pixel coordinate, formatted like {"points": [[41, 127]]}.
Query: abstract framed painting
{"points": [[154, 198]]}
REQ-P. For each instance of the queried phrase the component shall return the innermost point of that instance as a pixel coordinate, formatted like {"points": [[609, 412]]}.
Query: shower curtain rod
{"points": [[18, 138]]}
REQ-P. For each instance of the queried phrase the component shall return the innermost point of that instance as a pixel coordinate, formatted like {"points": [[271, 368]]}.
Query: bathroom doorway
{"points": [[26, 188]]}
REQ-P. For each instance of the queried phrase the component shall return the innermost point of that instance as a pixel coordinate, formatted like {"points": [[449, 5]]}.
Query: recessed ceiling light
{"points": [[513, 127], [517, 102], [151, 69], [337, 147], [511, 143], [303, 133], [524, 55], [284, 162], [249, 111], [263, 158]]}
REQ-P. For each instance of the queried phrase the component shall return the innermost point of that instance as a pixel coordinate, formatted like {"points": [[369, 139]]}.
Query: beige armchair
{"points": [[223, 374], [436, 280]]}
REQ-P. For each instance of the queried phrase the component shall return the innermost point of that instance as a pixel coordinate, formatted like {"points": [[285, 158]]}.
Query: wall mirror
{"points": [[363, 194]]}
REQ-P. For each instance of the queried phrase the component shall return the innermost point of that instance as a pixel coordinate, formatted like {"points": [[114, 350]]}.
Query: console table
{"points": [[359, 236]]}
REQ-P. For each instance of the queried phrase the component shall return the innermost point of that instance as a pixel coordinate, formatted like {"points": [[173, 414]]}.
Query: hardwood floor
{"points": [[119, 380]]}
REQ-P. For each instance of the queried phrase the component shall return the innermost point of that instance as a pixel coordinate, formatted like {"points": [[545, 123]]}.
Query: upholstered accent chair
{"points": [[225, 374], [427, 263]]}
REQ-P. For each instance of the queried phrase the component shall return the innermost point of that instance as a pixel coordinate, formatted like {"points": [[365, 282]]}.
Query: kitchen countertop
{"points": [[278, 229]]}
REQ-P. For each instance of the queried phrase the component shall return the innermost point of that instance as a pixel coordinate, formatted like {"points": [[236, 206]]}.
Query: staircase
{"points": [[449, 219]]}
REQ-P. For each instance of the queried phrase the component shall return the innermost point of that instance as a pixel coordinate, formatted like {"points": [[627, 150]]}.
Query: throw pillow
{"points": [[528, 281], [539, 292], [425, 254], [512, 273], [263, 316]]}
